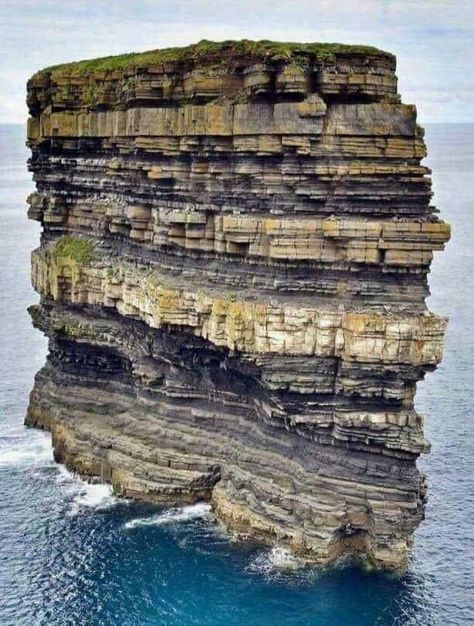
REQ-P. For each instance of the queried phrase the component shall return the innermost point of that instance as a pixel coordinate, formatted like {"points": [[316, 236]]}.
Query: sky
{"points": [[433, 39]]}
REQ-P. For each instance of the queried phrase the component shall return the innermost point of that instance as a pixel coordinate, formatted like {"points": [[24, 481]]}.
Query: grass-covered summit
{"points": [[211, 52]]}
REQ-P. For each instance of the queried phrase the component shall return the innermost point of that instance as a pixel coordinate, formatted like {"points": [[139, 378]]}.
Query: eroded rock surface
{"points": [[233, 273]]}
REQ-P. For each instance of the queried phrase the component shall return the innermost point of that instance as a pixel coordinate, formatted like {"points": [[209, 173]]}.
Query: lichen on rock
{"points": [[233, 273]]}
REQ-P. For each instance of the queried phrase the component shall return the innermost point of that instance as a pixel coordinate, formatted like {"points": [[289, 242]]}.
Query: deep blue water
{"points": [[70, 553]]}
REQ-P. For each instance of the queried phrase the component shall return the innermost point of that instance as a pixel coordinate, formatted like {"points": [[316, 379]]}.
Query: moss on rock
{"points": [[76, 248]]}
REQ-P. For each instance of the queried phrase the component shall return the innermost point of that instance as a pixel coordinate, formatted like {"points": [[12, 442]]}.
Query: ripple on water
{"points": [[20, 448]]}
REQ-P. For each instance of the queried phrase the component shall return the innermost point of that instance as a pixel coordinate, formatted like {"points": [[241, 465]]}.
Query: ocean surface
{"points": [[73, 554]]}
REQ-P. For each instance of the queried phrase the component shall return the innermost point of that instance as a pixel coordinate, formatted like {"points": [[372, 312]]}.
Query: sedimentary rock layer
{"points": [[233, 273]]}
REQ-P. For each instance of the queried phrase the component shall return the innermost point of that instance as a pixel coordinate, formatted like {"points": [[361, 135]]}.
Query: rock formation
{"points": [[233, 273]]}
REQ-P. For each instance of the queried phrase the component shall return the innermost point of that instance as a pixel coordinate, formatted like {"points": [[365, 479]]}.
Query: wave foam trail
{"points": [[172, 516]]}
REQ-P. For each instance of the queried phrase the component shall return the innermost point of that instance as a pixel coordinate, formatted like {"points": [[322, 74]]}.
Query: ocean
{"points": [[73, 554]]}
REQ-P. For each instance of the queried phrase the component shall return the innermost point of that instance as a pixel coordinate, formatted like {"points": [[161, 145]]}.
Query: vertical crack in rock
{"points": [[233, 273]]}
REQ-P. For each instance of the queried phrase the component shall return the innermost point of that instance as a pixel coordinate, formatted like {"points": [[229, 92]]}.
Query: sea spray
{"points": [[274, 560], [83, 495], [173, 516]]}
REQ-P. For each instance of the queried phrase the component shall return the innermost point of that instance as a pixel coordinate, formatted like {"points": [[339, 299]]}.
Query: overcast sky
{"points": [[433, 39]]}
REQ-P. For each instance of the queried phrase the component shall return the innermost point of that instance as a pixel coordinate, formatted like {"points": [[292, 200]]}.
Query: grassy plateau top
{"points": [[212, 52]]}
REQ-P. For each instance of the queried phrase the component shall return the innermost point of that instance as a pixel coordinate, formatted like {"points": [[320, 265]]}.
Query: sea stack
{"points": [[232, 277]]}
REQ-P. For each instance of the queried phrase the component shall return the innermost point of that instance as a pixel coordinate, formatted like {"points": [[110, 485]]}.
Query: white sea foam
{"points": [[275, 560], [94, 496], [84, 495], [173, 516], [282, 558], [21, 451]]}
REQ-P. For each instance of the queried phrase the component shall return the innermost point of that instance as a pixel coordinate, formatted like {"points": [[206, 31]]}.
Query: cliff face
{"points": [[233, 272]]}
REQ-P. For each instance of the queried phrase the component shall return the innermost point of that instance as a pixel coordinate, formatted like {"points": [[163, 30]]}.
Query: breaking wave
{"points": [[276, 560], [173, 516], [83, 495]]}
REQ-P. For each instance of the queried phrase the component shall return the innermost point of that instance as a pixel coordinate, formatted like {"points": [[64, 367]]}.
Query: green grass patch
{"points": [[78, 249], [206, 51]]}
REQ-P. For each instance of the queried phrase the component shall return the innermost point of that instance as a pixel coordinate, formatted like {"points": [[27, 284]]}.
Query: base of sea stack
{"points": [[191, 427], [313, 546]]}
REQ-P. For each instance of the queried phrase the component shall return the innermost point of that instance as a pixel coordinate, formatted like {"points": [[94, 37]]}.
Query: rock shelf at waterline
{"points": [[233, 273]]}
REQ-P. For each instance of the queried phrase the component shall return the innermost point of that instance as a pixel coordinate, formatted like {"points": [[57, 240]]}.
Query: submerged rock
{"points": [[233, 273]]}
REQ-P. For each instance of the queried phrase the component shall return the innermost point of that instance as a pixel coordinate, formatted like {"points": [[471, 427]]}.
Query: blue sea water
{"points": [[72, 554]]}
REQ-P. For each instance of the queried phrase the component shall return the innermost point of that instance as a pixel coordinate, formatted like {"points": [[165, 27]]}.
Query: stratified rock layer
{"points": [[233, 272]]}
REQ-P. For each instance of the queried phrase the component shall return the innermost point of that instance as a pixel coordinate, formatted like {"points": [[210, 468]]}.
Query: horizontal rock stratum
{"points": [[233, 273]]}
